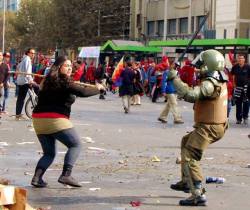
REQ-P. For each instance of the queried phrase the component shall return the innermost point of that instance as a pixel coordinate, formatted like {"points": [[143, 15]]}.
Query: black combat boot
{"points": [[180, 186], [37, 180], [66, 177], [101, 97], [197, 198]]}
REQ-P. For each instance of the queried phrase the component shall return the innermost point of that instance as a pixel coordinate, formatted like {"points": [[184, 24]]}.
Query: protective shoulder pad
{"points": [[220, 76]]}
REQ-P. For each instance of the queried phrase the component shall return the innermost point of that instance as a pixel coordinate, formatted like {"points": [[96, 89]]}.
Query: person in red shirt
{"points": [[90, 74], [230, 87], [187, 73], [79, 71]]}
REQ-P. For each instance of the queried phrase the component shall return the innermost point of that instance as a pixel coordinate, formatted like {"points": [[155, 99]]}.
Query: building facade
{"points": [[11, 5], [232, 19], [179, 19]]}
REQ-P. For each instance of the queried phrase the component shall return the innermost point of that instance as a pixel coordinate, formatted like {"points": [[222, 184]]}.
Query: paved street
{"points": [[123, 171]]}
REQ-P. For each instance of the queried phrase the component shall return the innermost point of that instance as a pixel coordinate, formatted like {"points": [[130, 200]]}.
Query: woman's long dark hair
{"points": [[54, 79]]}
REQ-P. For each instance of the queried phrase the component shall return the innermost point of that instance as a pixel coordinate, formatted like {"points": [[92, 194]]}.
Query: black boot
{"points": [[101, 97], [194, 201], [180, 186], [37, 180], [197, 198], [66, 177]]}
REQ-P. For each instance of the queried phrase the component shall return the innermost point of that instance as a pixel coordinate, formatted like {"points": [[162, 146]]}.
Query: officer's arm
{"points": [[206, 89]]}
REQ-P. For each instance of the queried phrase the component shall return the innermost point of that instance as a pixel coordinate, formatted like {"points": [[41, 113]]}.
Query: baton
{"points": [[193, 37]]}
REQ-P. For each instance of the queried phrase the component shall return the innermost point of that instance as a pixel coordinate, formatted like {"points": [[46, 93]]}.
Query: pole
{"points": [[4, 8], [165, 20], [99, 23], [190, 17]]}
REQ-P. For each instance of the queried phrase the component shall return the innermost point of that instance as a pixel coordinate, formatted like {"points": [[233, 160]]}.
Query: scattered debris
{"points": [[4, 144], [88, 139], [135, 203], [46, 208], [95, 189], [248, 165], [39, 152], [123, 162], [62, 152], [209, 158], [178, 160], [85, 182], [28, 173], [26, 142], [155, 159], [96, 149], [217, 180]]}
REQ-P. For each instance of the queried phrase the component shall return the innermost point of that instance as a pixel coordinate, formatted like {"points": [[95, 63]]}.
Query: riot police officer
{"points": [[210, 116]]}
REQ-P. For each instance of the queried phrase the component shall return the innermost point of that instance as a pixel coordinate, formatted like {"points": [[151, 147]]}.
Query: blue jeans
{"points": [[68, 137], [5, 97]]}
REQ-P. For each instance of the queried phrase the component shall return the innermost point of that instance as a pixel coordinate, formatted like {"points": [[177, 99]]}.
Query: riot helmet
{"points": [[209, 61]]}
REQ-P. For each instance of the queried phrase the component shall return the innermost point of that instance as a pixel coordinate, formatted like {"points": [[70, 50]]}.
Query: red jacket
{"points": [[230, 84], [79, 72], [90, 74]]}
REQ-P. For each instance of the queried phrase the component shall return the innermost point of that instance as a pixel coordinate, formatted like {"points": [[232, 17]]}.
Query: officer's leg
{"points": [[193, 177], [182, 185]]}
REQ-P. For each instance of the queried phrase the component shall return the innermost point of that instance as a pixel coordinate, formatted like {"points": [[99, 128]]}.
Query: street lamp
{"points": [[4, 5]]}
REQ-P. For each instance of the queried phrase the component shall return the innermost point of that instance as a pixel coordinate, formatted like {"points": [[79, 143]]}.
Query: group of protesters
{"points": [[147, 77]]}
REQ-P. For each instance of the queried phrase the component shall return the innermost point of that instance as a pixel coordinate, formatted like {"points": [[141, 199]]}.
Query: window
{"points": [[199, 20], [13, 7], [160, 28], [183, 27], [172, 26], [151, 28]]}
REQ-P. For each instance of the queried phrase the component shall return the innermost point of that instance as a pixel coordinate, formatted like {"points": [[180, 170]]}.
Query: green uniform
{"points": [[209, 127], [210, 117]]}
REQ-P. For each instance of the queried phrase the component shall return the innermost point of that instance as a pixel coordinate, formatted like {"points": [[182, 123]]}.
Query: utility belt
{"points": [[225, 124]]}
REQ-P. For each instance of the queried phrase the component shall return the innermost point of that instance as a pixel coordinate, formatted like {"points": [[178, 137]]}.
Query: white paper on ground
{"points": [[95, 189], [96, 148], [26, 142]]}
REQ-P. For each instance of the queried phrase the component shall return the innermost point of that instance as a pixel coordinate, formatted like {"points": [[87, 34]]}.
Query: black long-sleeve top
{"points": [[60, 100]]}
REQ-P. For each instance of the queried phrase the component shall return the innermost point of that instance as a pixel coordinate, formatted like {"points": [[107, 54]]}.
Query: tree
{"points": [[34, 24], [45, 24], [11, 40]]}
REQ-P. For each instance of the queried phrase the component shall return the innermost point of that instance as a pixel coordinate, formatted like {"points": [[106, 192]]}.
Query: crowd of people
{"points": [[213, 88], [147, 78], [150, 79]]}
